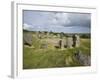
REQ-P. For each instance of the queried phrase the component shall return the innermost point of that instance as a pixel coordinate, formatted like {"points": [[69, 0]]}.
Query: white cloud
{"points": [[56, 19], [61, 19], [26, 26]]}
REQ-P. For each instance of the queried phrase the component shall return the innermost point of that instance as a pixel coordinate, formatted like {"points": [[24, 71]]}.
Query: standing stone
{"points": [[74, 40], [27, 39], [69, 42], [38, 33], [62, 45], [77, 41], [82, 58]]}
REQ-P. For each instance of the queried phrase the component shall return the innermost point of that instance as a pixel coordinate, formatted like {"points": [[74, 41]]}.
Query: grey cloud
{"points": [[79, 19], [70, 19]]}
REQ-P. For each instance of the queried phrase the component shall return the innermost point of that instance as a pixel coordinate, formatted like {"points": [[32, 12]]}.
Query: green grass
{"points": [[43, 58], [85, 46], [50, 58]]}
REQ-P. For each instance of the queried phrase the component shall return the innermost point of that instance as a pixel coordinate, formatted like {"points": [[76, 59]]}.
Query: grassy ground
{"points": [[48, 58]]}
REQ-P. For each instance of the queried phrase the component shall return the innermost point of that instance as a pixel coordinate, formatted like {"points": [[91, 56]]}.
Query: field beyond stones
{"points": [[42, 53]]}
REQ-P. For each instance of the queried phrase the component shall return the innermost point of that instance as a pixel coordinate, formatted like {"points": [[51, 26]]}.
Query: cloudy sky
{"points": [[56, 21]]}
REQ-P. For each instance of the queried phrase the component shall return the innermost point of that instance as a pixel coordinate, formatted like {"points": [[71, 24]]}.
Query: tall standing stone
{"points": [[69, 42], [77, 41], [74, 40], [27, 38], [62, 45]]}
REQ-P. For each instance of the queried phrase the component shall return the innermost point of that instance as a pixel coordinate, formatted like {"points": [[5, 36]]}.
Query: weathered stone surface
{"points": [[27, 39], [69, 42], [77, 41], [60, 43], [74, 40], [83, 59], [64, 44]]}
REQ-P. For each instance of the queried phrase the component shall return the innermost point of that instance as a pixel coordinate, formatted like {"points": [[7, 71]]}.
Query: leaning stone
{"points": [[27, 39], [82, 58]]}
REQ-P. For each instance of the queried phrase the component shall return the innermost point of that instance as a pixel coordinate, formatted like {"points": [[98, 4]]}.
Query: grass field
{"points": [[34, 57]]}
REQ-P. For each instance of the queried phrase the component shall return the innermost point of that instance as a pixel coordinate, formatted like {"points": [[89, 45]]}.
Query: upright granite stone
{"points": [[27, 39], [62, 45], [77, 41], [82, 58], [69, 42], [74, 40]]}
